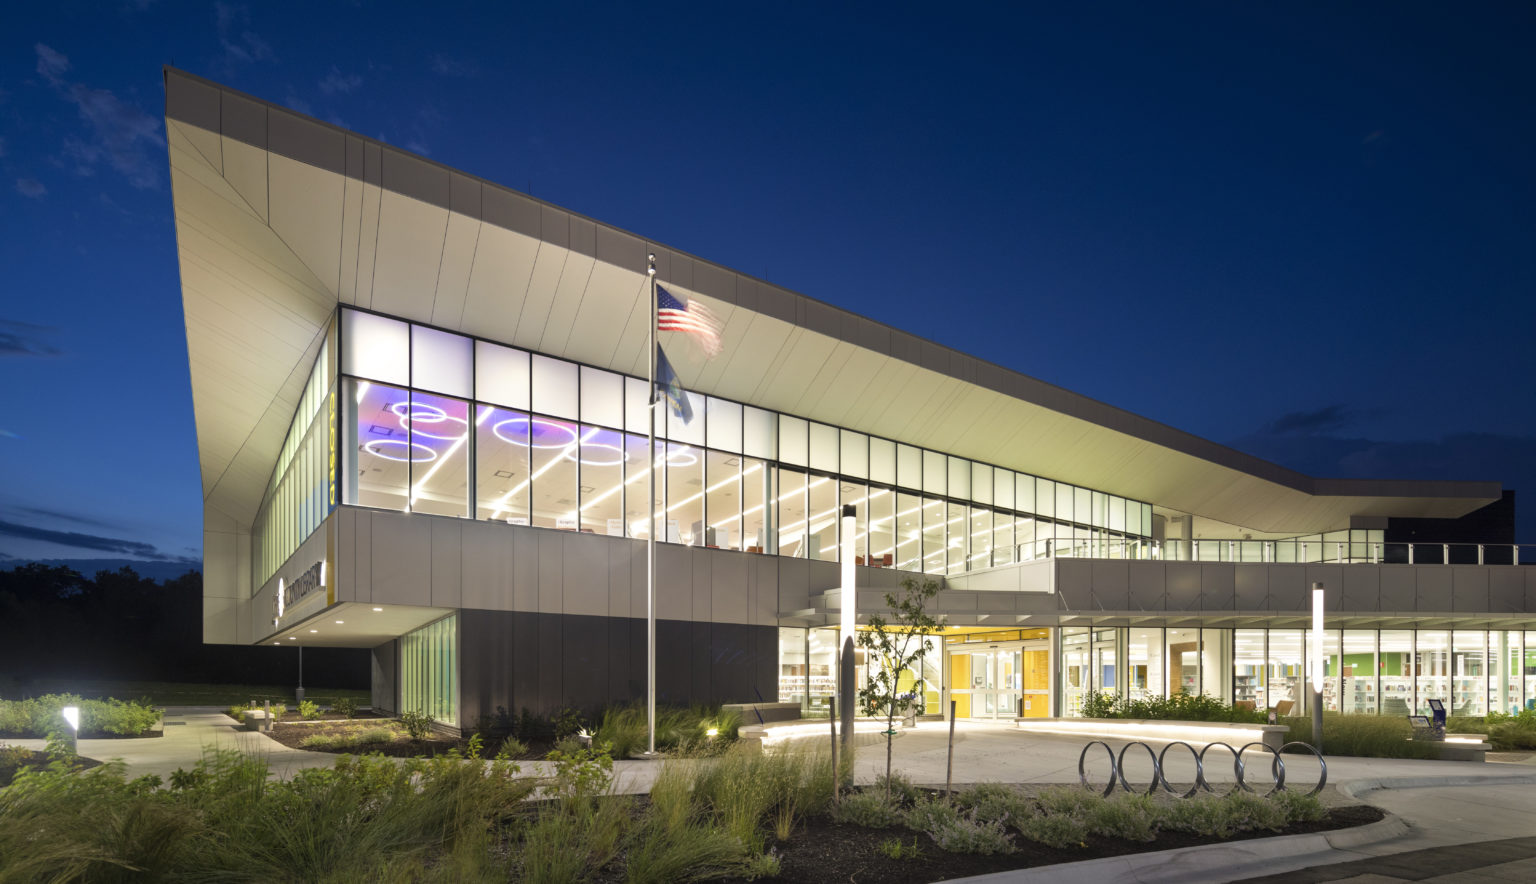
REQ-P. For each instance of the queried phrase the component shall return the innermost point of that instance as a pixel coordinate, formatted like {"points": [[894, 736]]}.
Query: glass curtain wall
{"points": [[303, 488], [429, 670], [441, 424]]}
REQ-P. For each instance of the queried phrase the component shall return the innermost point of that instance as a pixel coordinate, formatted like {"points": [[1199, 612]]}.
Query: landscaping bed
{"points": [[824, 852], [741, 815], [386, 736], [14, 758]]}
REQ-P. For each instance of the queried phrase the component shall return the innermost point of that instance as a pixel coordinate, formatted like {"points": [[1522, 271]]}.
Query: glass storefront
{"points": [[1009, 673]]}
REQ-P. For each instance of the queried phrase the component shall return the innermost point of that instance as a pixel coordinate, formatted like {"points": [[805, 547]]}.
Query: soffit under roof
{"points": [[280, 218]]}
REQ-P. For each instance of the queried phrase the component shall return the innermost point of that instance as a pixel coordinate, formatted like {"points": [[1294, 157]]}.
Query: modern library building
{"points": [[422, 408]]}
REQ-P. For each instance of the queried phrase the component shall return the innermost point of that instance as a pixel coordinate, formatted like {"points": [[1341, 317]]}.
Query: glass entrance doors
{"points": [[1001, 681]]}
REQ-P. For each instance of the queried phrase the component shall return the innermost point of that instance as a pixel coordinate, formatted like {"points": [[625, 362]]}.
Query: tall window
{"points": [[501, 465], [429, 670]]}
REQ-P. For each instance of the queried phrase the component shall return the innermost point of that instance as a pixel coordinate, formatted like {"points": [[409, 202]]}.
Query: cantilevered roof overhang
{"points": [[280, 217]]}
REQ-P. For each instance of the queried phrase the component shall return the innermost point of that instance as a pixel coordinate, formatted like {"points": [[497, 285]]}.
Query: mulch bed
{"points": [[291, 733], [824, 852], [14, 759]]}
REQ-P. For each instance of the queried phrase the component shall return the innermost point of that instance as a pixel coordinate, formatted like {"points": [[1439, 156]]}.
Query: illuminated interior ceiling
{"points": [[280, 218]]}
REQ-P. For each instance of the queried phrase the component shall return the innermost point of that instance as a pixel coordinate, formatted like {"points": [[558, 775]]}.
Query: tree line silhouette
{"points": [[57, 623]]}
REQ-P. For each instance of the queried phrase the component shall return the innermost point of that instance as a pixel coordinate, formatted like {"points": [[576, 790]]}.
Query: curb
{"points": [[1356, 788], [1211, 862], [1254, 857]]}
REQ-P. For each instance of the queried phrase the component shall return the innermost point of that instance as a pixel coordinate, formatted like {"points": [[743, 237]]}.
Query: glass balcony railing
{"points": [[1284, 551]]}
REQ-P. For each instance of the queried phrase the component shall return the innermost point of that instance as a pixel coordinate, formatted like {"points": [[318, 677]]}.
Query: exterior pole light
{"points": [[72, 718], [848, 621], [1317, 666]]}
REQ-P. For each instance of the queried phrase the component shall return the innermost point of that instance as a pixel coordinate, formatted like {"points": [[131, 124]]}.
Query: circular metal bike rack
{"points": [[1162, 770], [1114, 769], [1237, 765], [1160, 774], [1276, 770], [1322, 779], [1157, 769]]}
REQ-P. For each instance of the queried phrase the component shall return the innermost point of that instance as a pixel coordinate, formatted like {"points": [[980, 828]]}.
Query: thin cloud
{"points": [[77, 540], [60, 515], [1327, 419], [451, 66], [119, 134], [31, 187], [240, 43], [26, 339], [300, 105], [337, 83]]}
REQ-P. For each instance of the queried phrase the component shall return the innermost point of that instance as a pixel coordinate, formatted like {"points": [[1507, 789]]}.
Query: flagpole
{"points": [[650, 534]]}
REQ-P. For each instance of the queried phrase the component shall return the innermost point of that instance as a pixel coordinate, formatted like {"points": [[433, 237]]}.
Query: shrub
{"points": [[309, 710], [1204, 815], [512, 747], [1130, 817], [417, 725], [1181, 706], [37, 716], [869, 809], [1368, 736], [582, 773], [900, 788], [374, 736], [318, 742], [1300, 807], [1066, 800], [237, 713], [994, 802], [957, 831], [344, 706], [1057, 830]]}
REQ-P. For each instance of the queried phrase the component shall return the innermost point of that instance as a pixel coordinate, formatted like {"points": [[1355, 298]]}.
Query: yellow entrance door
{"points": [[1037, 683]]}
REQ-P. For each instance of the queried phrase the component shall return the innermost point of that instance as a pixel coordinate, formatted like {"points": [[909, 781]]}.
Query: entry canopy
{"points": [[281, 217]]}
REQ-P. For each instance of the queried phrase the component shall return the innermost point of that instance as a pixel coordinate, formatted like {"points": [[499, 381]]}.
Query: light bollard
{"points": [[71, 715]]}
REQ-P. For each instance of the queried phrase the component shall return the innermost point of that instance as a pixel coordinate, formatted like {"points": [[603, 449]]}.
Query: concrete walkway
{"points": [[1439, 807]]}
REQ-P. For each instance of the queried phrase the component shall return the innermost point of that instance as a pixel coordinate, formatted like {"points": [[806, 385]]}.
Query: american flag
{"points": [[674, 313]]}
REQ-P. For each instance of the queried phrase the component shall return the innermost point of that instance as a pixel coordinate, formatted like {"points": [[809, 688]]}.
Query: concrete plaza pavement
{"points": [[1440, 807]]}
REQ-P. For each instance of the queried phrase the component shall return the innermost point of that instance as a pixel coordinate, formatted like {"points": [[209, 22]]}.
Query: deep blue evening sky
{"points": [[1306, 233]]}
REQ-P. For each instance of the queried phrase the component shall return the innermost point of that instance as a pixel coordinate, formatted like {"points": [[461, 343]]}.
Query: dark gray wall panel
{"points": [[1183, 586], [465, 195], [1506, 590], [546, 662], [1361, 591], [385, 676], [416, 178], [244, 120], [300, 138], [191, 101], [1147, 591], [512, 211], [1288, 588], [1469, 589], [1252, 589], [1434, 588], [1398, 588], [1111, 584], [1217, 586]]}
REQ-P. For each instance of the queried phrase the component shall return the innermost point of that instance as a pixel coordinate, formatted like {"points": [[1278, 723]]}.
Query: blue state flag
{"points": [[670, 388]]}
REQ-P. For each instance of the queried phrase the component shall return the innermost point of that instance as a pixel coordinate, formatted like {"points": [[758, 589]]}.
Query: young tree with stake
{"points": [[898, 646]]}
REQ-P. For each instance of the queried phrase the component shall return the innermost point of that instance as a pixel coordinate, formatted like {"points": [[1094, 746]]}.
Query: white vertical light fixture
{"points": [[850, 597], [1317, 666], [72, 718]]}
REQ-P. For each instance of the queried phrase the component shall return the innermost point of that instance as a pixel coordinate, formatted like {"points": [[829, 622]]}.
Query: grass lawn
{"points": [[170, 693]]}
